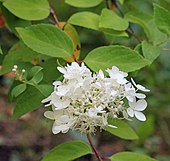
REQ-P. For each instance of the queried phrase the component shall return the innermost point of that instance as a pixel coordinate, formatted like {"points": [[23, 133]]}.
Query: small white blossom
{"points": [[136, 108], [85, 100]]}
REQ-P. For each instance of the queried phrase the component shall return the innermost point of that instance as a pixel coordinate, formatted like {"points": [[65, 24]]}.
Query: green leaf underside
{"points": [[150, 52], [123, 130], [16, 91], [124, 58], [111, 20], [19, 52], [112, 32], [83, 3], [28, 101], [85, 19], [28, 9], [147, 23], [68, 151], [162, 18], [130, 156], [47, 39]]}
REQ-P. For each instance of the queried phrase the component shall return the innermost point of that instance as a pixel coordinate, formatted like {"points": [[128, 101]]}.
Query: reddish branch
{"points": [[94, 149], [55, 17], [134, 35]]}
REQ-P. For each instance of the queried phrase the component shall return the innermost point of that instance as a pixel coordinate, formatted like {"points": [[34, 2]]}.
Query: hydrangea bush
{"points": [[84, 92]]}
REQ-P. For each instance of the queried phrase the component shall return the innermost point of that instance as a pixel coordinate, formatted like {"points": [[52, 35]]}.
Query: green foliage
{"points": [[28, 10], [162, 18], [17, 90], [35, 75], [105, 57], [13, 21], [18, 53], [68, 151], [28, 101], [1, 52], [110, 20], [145, 129], [84, 3], [85, 19], [123, 130], [31, 99], [147, 23], [150, 51], [43, 37], [129, 156], [50, 70]]}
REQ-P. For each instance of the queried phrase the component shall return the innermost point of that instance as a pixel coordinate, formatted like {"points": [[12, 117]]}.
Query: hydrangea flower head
{"points": [[85, 100]]}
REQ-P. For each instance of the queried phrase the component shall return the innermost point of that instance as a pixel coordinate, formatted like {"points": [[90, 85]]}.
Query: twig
{"points": [[55, 17], [134, 35], [94, 149]]}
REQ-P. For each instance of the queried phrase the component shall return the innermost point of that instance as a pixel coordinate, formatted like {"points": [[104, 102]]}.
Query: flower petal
{"points": [[49, 115], [140, 95], [130, 112], [140, 116], [141, 105]]}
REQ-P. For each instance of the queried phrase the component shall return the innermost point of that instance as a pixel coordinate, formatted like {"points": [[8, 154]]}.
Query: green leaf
{"points": [[1, 52], [123, 130], [150, 52], [130, 156], [112, 32], [68, 151], [45, 89], [124, 58], [13, 21], [28, 9], [147, 23], [47, 39], [85, 19], [19, 52], [110, 20], [28, 101], [17, 90], [35, 75], [83, 3], [50, 70], [121, 1], [162, 18], [149, 126]]}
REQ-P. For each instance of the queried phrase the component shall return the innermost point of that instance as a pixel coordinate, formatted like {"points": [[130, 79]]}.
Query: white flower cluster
{"points": [[85, 100]]}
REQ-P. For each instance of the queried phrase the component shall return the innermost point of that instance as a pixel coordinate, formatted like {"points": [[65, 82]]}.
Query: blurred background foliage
{"points": [[28, 138]]}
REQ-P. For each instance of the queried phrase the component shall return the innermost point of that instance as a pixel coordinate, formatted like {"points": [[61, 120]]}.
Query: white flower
{"points": [[74, 71], [84, 100], [62, 123], [56, 101], [136, 108], [115, 73], [140, 87]]}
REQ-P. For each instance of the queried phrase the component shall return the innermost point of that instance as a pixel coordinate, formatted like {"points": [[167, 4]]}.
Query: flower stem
{"points": [[55, 17], [94, 149]]}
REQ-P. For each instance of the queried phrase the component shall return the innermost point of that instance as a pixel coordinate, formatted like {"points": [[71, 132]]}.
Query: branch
{"points": [[55, 17], [94, 149], [134, 35]]}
